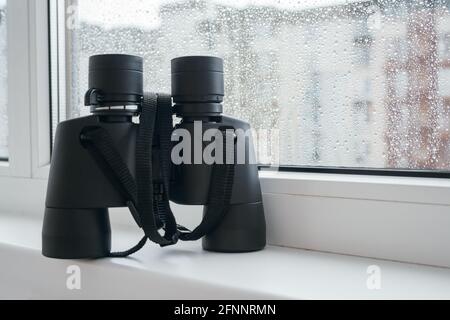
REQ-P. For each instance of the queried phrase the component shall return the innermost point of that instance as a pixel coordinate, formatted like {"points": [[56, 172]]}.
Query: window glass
{"points": [[333, 83]]}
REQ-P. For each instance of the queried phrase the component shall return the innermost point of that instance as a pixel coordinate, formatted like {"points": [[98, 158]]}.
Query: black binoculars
{"points": [[129, 153]]}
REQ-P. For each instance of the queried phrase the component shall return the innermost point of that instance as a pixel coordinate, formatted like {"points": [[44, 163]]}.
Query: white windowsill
{"points": [[187, 272], [392, 218]]}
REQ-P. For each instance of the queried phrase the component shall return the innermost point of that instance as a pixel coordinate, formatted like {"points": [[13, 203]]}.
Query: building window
{"points": [[445, 46]]}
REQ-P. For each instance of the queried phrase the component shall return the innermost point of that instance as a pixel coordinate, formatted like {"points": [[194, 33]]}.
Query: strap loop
{"points": [[144, 172]]}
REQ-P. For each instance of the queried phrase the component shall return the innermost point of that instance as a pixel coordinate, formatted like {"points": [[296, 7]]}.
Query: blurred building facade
{"points": [[418, 89]]}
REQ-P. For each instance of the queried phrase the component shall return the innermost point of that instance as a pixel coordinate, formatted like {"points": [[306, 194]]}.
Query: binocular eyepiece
{"points": [[116, 83], [197, 80]]}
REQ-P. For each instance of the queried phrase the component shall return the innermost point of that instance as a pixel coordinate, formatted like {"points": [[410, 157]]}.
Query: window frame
{"points": [[40, 89], [312, 208], [28, 112], [440, 174], [19, 144]]}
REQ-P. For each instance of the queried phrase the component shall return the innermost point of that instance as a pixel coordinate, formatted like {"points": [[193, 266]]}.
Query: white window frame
{"points": [[397, 218], [18, 91], [28, 87]]}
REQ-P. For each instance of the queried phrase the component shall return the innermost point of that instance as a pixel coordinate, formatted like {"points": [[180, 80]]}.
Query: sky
{"points": [[144, 13]]}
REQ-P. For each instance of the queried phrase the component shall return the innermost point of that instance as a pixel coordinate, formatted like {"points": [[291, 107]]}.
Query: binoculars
{"points": [[129, 153]]}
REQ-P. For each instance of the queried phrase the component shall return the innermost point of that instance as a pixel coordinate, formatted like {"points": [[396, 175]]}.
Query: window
{"points": [[4, 155], [340, 83], [294, 69]]}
